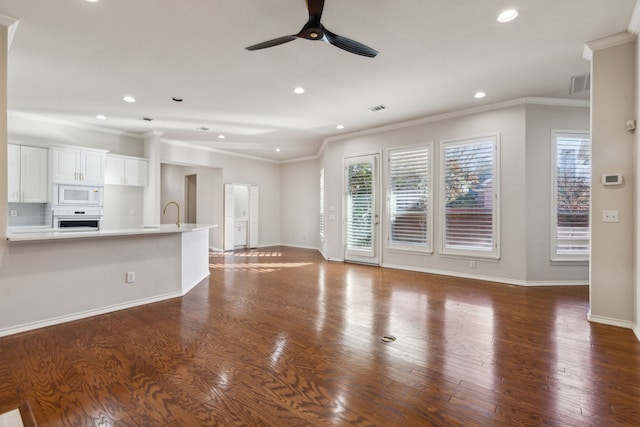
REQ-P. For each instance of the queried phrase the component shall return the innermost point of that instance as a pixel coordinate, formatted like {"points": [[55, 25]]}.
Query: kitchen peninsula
{"points": [[59, 276]]}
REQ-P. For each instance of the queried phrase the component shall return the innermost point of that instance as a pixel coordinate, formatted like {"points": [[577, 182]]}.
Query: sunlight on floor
{"points": [[244, 254], [260, 267]]}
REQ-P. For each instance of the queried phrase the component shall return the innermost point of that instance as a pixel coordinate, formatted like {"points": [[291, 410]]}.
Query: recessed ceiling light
{"points": [[479, 95], [101, 117], [299, 90], [221, 136], [277, 150], [340, 127], [129, 99], [507, 16], [92, 1]]}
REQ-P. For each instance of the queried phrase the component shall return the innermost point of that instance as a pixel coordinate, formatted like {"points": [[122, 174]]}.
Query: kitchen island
{"points": [[51, 277]]}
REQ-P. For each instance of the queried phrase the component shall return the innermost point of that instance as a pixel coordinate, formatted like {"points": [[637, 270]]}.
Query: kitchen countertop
{"points": [[38, 234]]}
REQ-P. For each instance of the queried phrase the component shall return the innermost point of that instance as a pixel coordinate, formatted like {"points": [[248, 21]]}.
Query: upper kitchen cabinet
{"points": [[77, 165], [27, 170], [124, 170]]}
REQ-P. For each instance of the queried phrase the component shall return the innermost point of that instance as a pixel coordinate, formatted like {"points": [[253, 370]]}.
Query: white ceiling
{"points": [[73, 60]]}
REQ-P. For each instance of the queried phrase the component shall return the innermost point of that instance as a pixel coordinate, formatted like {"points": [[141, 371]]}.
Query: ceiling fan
{"points": [[314, 30]]}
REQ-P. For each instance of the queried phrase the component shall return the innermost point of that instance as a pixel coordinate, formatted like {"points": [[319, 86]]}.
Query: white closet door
{"points": [[253, 216], [228, 217]]}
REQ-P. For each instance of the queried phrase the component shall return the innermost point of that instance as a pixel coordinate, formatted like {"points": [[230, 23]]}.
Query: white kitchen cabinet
{"points": [[77, 165], [27, 174], [124, 170]]}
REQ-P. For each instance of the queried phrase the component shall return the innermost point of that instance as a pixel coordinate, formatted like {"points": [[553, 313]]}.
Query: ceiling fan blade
{"points": [[315, 9], [270, 43], [349, 45]]}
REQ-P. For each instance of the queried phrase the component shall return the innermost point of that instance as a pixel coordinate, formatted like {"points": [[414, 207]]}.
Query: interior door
{"points": [[362, 216]]}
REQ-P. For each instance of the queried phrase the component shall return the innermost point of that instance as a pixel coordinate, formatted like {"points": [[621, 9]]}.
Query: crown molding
{"points": [[12, 25], [559, 102], [607, 42]]}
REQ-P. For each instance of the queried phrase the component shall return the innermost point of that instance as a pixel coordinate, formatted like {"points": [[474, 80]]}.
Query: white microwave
{"points": [[77, 195]]}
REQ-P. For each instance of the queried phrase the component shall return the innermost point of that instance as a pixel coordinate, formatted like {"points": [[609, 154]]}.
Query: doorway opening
{"points": [[191, 199]]}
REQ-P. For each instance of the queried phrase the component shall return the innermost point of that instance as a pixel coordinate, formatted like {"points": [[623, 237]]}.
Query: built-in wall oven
{"points": [[77, 207], [77, 219]]}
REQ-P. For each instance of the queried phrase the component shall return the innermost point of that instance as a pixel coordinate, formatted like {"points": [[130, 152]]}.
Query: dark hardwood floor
{"points": [[280, 337]]}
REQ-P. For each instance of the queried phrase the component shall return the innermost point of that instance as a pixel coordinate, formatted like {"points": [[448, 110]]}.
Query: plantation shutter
{"points": [[572, 196], [410, 198], [469, 169]]}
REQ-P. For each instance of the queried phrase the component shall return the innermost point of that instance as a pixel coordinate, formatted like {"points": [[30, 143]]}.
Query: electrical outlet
{"points": [[610, 216], [132, 212], [131, 276], [472, 265], [14, 213]]}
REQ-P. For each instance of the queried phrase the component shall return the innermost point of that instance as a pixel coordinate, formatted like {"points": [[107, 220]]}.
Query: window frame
{"points": [[494, 253], [406, 247], [580, 257]]}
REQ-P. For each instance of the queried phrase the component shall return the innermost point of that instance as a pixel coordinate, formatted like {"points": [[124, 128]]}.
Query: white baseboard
{"points": [[503, 280], [85, 314], [299, 247], [636, 331], [613, 322]]}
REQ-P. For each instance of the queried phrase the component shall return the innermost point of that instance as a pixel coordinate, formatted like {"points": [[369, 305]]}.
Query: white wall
{"points": [[637, 197], [300, 195], [510, 121], [541, 120], [36, 130], [123, 207], [612, 244], [49, 282], [238, 170]]}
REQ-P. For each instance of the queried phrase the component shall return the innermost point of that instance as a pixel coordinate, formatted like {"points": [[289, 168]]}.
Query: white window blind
{"points": [[470, 217], [360, 206], [410, 198], [571, 196], [322, 205]]}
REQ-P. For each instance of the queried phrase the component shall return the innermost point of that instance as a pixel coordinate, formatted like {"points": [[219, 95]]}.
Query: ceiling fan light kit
{"points": [[314, 30]]}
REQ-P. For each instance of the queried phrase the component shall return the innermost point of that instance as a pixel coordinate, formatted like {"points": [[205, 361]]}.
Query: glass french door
{"points": [[362, 216]]}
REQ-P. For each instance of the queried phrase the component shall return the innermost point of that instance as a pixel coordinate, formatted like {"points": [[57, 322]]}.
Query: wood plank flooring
{"points": [[280, 337]]}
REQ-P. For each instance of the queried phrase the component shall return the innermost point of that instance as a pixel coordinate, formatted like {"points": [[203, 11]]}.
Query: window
{"points": [[470, 192], [571, 196], [410, 198], [322, 205]]}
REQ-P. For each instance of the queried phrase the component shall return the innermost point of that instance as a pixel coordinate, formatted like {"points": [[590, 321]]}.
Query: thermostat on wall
{"points": [[612, 179]]}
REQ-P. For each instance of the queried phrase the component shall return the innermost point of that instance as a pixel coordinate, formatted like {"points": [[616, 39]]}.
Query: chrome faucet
{"points": [[178, 206]]}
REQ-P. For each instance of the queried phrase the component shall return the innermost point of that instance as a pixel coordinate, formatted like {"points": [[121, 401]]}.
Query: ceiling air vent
{"points": [[378, 107], [580, 84]]}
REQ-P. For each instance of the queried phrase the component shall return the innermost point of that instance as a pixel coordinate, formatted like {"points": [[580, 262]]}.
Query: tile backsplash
{"points": [[29, 214]]}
